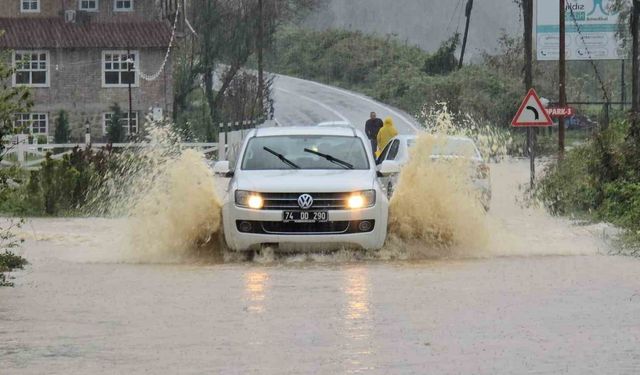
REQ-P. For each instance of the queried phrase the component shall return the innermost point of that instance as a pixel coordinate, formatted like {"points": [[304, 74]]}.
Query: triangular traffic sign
{"points": [[531, 112]]}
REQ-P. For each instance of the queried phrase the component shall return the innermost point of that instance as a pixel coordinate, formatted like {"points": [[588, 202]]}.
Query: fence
{"points": [[19, 152], [590, 117]]}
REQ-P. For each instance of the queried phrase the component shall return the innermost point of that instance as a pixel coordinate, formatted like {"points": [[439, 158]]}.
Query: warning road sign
{"points": [[531, 112]]}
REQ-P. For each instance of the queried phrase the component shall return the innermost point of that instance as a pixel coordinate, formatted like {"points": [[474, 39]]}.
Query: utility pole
{"points": [[562, 79], [260, 53], [527, 10], [634, 68], [467, 13], [623, 88]]}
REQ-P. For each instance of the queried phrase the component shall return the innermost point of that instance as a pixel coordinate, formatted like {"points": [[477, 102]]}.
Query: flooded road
{"points": [[547, 300], [543, 296]]}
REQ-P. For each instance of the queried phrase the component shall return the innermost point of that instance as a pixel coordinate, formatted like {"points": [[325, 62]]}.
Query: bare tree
{"points": [[229, 34]]}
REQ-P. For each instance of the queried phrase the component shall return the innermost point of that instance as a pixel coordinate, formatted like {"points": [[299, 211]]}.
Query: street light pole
{"points": [[129, 62]]}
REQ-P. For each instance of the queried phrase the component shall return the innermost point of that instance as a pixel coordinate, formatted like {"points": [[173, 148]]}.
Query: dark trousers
{"points": [[374, 145]]}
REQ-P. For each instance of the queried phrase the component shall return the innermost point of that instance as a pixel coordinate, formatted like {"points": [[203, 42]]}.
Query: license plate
{"points": [[305, 216]]}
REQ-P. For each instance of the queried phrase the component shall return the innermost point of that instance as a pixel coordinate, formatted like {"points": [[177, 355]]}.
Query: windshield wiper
{"points": [[332, 159], [282, 158]]}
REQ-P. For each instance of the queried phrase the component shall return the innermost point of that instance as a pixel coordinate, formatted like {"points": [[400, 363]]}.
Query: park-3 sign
{"points": [[560, 111], [591, 28], [531, 112]]}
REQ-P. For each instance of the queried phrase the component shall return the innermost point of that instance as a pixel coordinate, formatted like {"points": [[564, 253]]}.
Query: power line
{"points": [[453, 14], [459, 18], [142, 75]]}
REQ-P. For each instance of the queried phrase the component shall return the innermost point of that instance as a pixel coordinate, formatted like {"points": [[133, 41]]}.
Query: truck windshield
{"points": [[348, 151]]}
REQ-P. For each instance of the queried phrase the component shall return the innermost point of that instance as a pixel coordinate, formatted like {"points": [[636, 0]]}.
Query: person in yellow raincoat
{"points": [[385, 134]]}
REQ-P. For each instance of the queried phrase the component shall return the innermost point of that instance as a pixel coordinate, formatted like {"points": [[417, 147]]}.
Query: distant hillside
{"points": [[425, 23]]}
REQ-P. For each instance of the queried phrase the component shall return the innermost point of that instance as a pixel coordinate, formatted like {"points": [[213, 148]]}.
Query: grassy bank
{"points": [[598, 180]]}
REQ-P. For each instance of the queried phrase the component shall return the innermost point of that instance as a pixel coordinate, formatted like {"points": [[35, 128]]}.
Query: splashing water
{"points": [[167, 198], [434, 210], [493, 142]]}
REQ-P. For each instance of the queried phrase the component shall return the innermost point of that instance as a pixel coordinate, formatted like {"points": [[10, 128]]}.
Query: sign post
{"points": [[531, 113]]}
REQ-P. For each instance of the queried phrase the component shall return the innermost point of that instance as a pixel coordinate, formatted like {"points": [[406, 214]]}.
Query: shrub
{"points": [[62, 131], [8, 260], [599, 179], [115, 132]]}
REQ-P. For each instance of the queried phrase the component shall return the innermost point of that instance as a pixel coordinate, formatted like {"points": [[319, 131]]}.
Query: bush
{"points": [[58, 187], [62, 131], [8, 260], [115, 131], [568, 187], [599, 179]]}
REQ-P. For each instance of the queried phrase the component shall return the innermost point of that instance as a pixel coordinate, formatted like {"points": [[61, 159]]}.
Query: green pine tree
{"points": [[115, 132], [62, 131]]}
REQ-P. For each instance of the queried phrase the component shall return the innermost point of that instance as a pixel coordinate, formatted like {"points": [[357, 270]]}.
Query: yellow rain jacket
{"points": [[385, 134]]}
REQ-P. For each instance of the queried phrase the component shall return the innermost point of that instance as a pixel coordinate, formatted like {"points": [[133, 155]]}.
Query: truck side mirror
{"points": [[222, 169], [389, 167]]}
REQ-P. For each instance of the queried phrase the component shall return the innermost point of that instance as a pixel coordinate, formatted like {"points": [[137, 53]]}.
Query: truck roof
{"points": [[306, 130]]}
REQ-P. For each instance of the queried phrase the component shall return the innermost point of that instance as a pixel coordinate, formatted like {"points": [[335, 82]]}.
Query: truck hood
{"points": [[308, 181]]}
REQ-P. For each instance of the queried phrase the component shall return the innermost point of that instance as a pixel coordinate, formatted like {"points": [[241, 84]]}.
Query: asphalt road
{"points": [[300, 102], [545, 299]]}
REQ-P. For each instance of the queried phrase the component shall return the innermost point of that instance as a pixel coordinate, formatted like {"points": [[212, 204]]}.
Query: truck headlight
{"points": [[361, 199], [249, 199]]}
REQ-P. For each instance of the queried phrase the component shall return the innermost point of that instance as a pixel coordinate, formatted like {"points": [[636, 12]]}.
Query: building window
{"points": [[119, 68], [32, 68], [31, 123], [29, 6], [123, 5], [89, 5], [124, 121]]}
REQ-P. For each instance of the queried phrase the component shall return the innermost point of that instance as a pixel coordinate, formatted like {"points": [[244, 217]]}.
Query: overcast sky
{"points": [[423, 22]]}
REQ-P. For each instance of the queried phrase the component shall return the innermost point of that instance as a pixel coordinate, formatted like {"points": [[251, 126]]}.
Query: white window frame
{"points": [[22, 10], [124, 120], [116, 9], [19, 123], [136, 79], [47, 70], [94, 9]]}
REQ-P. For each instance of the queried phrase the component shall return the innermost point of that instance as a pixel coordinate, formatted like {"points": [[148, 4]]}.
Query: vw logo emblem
{"points": [[305, 201]]}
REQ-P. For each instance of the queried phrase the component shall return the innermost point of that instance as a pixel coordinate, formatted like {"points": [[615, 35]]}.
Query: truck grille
{"points": [[279, 227], [289, 201]]}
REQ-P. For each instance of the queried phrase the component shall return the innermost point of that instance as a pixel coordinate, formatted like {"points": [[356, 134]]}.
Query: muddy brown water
{"points": [[546, 299]]}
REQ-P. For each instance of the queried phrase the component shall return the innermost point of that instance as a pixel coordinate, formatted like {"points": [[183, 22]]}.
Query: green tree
{"points": [[229, 35], [115, 132], [444, 60], [62, 131], [12, 100]]}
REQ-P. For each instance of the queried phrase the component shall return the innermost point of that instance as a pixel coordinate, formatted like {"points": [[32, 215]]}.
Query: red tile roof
{"points": [[56, 33]]}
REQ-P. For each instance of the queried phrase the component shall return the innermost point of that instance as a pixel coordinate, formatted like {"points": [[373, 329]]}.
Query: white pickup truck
{"points": [[304, 188]]}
